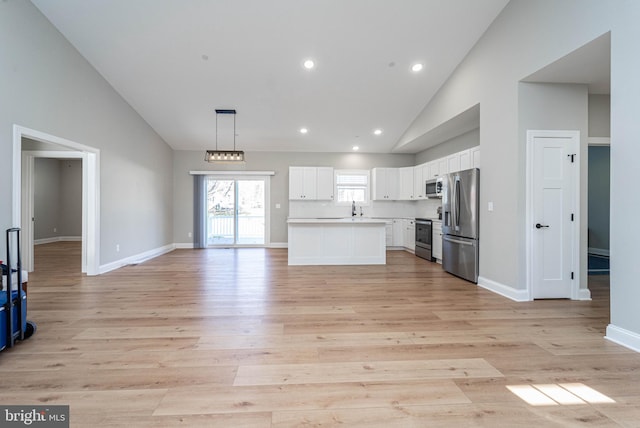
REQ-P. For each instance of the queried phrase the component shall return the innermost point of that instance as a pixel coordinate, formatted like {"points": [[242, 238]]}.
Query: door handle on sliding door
{"points": [[540, 226]]}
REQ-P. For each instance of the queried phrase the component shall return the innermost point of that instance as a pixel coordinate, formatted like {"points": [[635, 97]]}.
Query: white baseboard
{"points": [[623, 337], [598, 251], [57, 239], [138, 258], [278, 245], [503, 290], [584, 294], [184, 246]]}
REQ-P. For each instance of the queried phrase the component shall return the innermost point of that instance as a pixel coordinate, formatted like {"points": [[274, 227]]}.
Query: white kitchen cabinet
{"points": [[475, 157], [398, 233], [406, 188], [436, 244], [420, 176], [433, 169], [324, 188], [443, 166], [453, 163], [302, 182], [385, 184], [409, 239], [388, 233], [438, 167], [465, 159], [310, 183]]}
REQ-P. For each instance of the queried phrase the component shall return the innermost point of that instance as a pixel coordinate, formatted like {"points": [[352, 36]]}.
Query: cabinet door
{"points": [[419, 178], [453, 163], [385, 184], [379, 184], [393, 184], [409, 234], [325, 183], [436, 245], [309, 182], [302, 182], [398, 233], [443, 166], [433, 169], [465, 160], [475, 157], [406, 191], [296, 188]]}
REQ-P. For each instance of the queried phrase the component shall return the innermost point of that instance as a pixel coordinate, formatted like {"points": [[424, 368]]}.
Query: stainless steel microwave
{"points": [[434, 188]]}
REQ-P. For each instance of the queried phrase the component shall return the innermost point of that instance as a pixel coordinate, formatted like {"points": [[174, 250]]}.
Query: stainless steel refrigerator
{"points": [[460, 223]]}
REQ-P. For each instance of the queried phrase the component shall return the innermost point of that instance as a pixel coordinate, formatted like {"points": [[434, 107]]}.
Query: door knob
{"points": [[540, 226]]}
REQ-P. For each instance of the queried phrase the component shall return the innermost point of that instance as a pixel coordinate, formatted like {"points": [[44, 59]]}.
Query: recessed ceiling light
{"points": [[377, 131], [356, 148], [303, 130], [309, 64], [416, 67]]}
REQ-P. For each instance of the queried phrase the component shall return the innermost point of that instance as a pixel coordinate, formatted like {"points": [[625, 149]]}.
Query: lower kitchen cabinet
{"points": [[409, 226], [436, 244]]}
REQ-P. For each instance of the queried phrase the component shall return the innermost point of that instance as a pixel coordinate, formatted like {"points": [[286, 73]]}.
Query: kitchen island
{"points": [[337, 241]]}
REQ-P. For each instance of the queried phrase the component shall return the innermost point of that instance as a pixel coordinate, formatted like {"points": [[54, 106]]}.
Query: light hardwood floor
{"points": [[236, 338]]}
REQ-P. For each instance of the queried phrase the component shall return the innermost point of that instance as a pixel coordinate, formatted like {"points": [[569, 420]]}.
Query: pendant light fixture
{"points": [[225, 156]]}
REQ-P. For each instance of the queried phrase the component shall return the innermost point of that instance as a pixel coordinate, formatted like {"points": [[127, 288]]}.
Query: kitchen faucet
{"points": [[353, 208]]}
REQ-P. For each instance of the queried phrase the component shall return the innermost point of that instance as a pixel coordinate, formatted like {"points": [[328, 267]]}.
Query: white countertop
{"points": [[344, 220]]}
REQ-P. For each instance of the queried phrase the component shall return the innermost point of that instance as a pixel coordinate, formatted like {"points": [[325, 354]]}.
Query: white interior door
{"points": [[553, 215]]}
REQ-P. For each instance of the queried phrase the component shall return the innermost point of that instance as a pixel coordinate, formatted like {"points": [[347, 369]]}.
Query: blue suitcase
{"points": [[13, 302]]}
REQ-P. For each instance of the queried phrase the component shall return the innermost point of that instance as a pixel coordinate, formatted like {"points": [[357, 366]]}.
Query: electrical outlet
{"points": [[277, 206], [190, 235], [55, 229], [117, 248]]}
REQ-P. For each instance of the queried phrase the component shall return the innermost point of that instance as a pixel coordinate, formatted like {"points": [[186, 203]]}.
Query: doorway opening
{"points": [[23, 192], [236, 211]]}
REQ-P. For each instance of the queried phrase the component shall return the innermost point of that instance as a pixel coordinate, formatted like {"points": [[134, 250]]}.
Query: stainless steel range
{"points": [[424, 238]]}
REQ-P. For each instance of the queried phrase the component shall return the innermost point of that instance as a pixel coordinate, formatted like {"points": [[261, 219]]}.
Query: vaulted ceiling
{"points": [[175, 62]]}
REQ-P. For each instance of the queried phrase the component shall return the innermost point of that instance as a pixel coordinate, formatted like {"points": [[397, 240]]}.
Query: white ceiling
{"points": [[176, 61]]}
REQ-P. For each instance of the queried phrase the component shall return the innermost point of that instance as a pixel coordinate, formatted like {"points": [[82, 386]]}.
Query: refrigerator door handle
{"points": [[457, 205], [456, 241]]}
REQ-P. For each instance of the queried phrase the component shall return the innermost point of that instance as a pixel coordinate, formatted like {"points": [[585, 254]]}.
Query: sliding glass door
{"points": [[235, 211]]}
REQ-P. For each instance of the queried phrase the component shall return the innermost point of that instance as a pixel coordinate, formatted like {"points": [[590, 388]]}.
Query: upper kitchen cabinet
{"points": [[470, 158], [438, 167], [309, 183], [385, 184], [453, 163], [475, 157], [420, 176], [324, 186], [406, 189]]}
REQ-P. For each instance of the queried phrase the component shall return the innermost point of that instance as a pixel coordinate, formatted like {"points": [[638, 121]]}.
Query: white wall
{"points": [[46, 85], [57, 198], [46, 198], [553, 106], [525, 37], [599, 115], [70, 211], [185, 161], [457, 144]]}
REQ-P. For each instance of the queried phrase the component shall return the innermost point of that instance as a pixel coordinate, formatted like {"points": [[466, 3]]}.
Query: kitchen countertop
{"points": [[347, 220]]}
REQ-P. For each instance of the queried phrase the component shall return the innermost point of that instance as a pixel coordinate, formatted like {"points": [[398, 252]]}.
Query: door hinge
{"points": [[571, 216], [572, 156], [571, 275]]}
